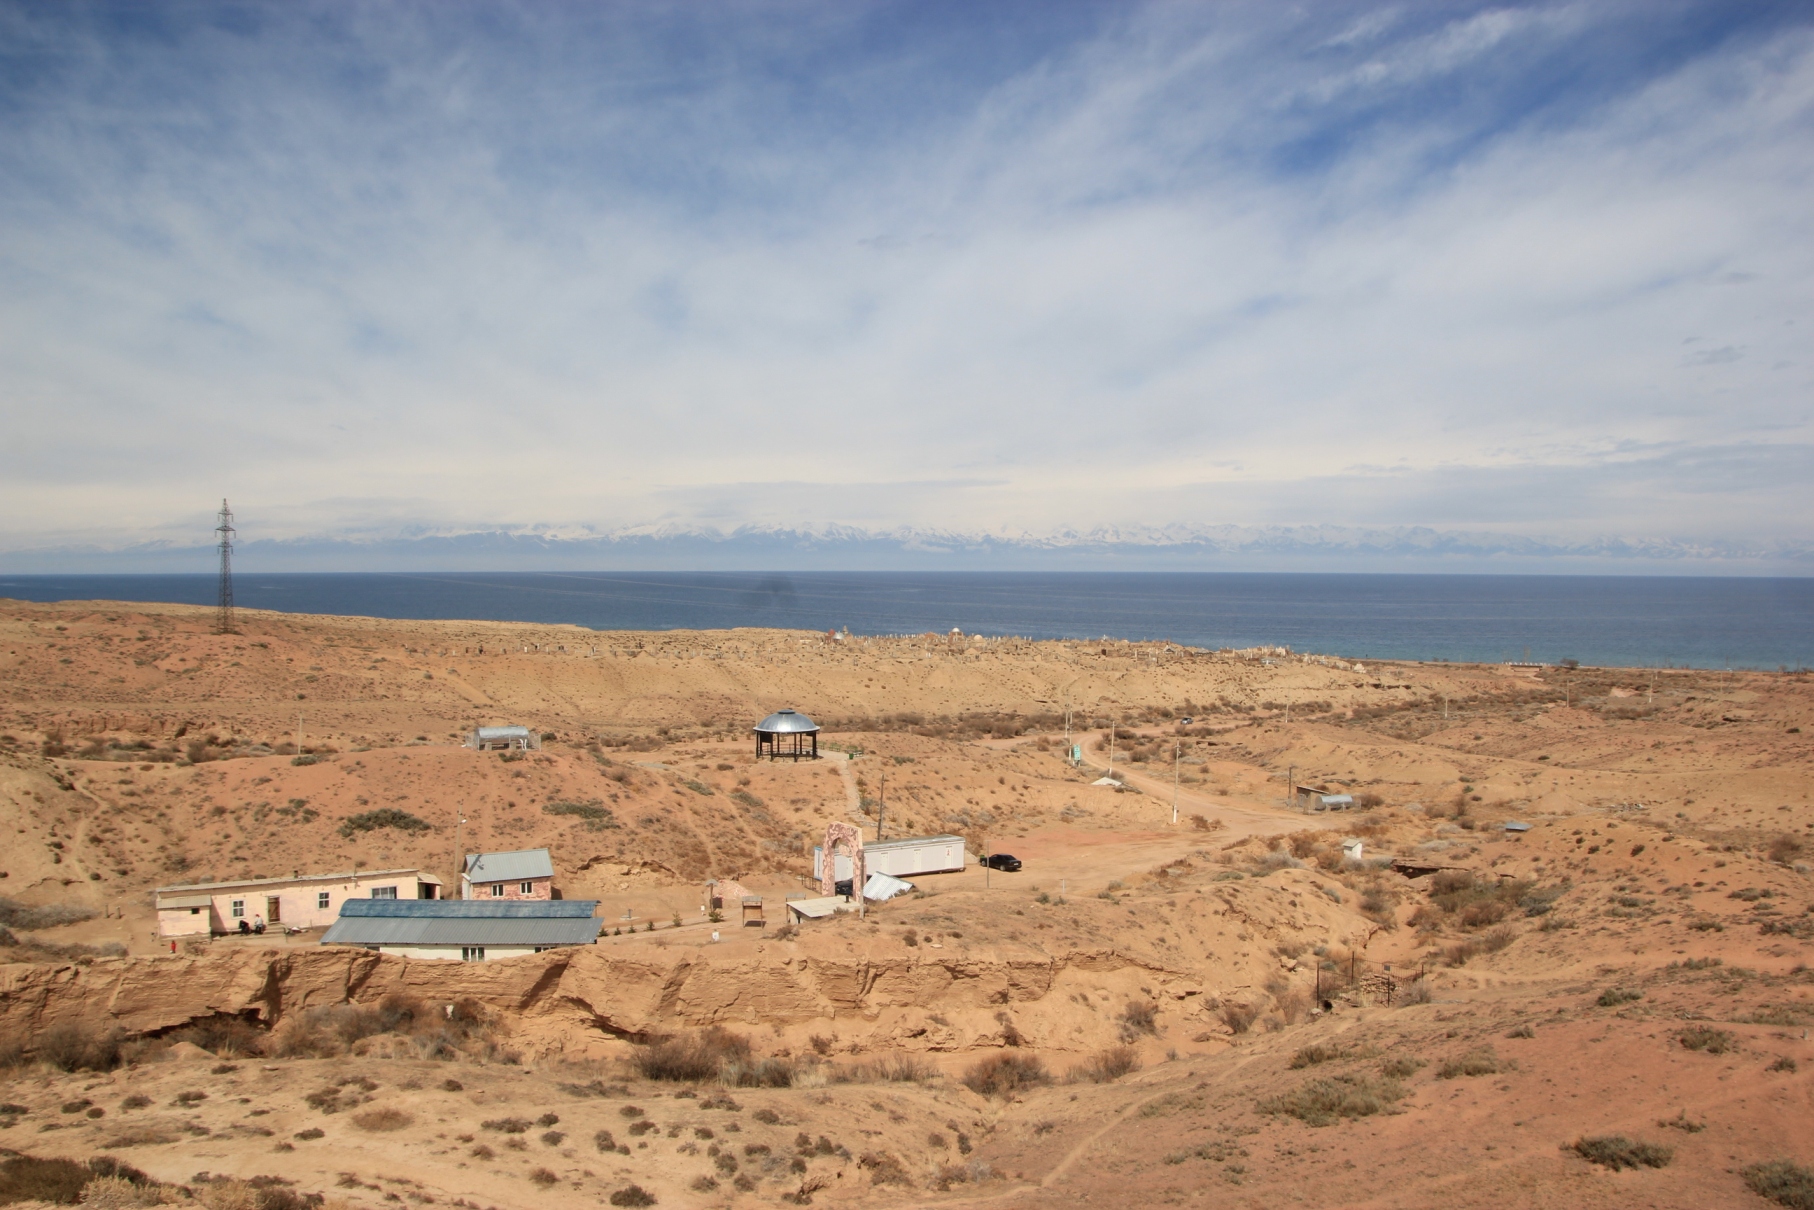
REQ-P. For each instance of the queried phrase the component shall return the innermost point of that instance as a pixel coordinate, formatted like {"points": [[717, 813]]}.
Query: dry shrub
{"points": [[1316, 1052], [1402, 1067], [421, 1030], [1239, 1017], [1782, 1182], [1418, 991], [119, 1193], [691, 1060], [1494, 940], [1704, 1037], [70, 1046], [1615, 1151], [884, 1169], [543, 1177], [383, 1119], [1106, 1065], [1139, 1017], [632, 1195], [223, 1034], [897, 1068], [1784, 850], [25, 1178], [1481, 1061], [1003, 1075], [1324, 1102], [14, 914]]}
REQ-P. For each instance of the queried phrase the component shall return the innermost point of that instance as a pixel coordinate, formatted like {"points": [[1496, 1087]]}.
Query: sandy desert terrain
{"points": [[1610, 1008]]}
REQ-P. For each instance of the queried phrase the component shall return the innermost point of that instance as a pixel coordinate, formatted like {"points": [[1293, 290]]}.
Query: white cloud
{"points": [[386, 271]]}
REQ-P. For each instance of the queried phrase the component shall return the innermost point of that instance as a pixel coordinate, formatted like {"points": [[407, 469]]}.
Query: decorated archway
{"points": [[849, 837]]}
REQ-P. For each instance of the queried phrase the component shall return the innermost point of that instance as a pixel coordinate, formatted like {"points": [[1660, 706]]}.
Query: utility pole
{"points": [[459, 857], [1177, 748], [1291, 783], [223, 618], [1111, 746], [299, 733], [882, 807]]}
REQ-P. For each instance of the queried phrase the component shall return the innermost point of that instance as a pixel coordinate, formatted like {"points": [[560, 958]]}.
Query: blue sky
{"points": [[377, 271]]}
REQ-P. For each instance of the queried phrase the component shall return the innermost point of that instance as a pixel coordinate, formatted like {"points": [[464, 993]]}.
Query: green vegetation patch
{"points": [[593, 813], [1326, 1101], [1615, 1151], [383, 817], [1784, 1183]]}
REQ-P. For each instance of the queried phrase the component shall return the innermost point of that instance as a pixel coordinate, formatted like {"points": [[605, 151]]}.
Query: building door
{"points": [[273, 909]]}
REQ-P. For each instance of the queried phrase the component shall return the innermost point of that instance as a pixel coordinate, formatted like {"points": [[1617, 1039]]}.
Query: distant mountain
{"points": [[1130, 548]]}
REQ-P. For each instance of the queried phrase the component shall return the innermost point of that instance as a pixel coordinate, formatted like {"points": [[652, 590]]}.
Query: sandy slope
{"points": [[1670, 828]]}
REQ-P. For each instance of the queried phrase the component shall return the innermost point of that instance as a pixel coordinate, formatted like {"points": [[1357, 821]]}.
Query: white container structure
{"points": [[902, 858]]}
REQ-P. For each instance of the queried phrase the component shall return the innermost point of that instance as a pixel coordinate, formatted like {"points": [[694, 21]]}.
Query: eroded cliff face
{"points": [[573, 997]]}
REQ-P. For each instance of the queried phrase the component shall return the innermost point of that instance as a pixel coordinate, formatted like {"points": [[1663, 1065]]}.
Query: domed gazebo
{"points": [[787, 733]]}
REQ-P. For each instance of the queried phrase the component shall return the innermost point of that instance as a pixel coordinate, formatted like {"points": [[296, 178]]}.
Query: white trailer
{"points": [[903, 858]]}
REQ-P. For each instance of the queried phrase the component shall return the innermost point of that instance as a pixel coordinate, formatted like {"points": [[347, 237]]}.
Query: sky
{"points": [[382, 272]]}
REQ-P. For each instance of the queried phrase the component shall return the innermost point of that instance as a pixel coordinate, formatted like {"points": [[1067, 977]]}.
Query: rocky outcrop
{"points": [[623, 991]]}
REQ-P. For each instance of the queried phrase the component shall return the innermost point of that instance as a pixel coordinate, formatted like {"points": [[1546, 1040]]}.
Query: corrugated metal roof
{"points": [[511, 732], [418, 930], [907, 842], [469, 909], [509, 867], [784, 722]]}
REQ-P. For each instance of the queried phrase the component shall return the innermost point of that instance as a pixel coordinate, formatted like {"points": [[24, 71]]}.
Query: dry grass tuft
{"points": [[1705, 1037]]}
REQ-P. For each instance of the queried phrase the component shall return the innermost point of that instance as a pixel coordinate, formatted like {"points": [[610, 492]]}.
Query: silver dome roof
{"points": [[786, 721]]}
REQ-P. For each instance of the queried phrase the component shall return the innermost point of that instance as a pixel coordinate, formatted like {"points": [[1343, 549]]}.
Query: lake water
{"points": [[1605, 620]]}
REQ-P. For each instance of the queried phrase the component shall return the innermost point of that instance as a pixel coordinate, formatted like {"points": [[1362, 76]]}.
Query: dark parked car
{"points": [[1002, 861]]}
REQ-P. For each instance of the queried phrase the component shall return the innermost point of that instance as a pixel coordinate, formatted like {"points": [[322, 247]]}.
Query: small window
{"points": [[384, 892], [527, 888], [195, 911], [321, 900], [497, 890], [239, 909], [472, 953]]}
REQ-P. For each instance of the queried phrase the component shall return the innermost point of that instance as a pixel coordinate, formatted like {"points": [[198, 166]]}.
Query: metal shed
{"points": [[903, 858], [517, 738], [787, 733]]}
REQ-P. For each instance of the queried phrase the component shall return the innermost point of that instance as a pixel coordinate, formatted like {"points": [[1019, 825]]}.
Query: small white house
{"points": [[301, 901]]}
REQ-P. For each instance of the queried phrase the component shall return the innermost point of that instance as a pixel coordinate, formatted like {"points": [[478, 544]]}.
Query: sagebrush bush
{"points": [[1003, 1075], [1324, 1102], [385, 1118], [1705, 1037], [692, 1060], [1481, 1061], [1783, 1182], [1615, 1151], [1106, 1065]]}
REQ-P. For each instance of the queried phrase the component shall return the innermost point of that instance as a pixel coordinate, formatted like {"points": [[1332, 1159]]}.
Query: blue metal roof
{"points": [[457, 930], [469, 909]]}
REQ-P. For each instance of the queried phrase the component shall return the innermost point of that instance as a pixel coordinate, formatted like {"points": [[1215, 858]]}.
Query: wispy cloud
{"points": [[432, 267]]}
